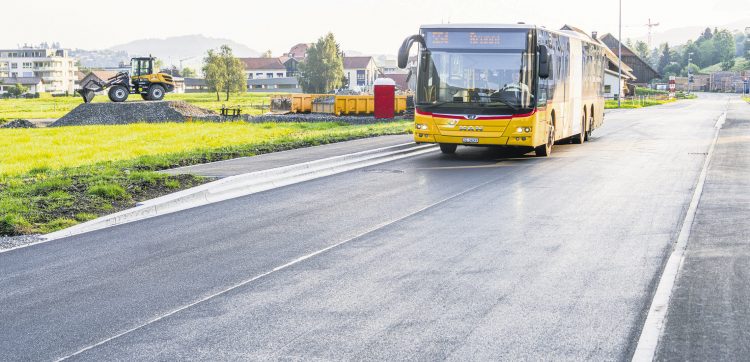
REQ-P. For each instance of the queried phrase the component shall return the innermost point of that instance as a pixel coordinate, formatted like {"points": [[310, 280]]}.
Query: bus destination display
{"points": [[475, 40]]}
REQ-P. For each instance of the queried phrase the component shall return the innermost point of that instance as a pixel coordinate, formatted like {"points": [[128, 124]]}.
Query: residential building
{"points": [[286, 85], [56, 69], [264, 68], [360, 72], [195, 85], [642, 70], [34, 84], [389, 66]]}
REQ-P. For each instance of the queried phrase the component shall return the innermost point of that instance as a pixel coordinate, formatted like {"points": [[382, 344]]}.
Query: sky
{"points": [[367, 26]]}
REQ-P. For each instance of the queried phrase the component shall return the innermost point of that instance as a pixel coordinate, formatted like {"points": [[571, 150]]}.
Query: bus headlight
{"points": [[421, 126], [527, 130], [519, 129]]}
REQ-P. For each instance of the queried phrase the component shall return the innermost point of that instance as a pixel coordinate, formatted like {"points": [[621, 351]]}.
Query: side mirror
{"points": [[403, 52], [544, 62]]}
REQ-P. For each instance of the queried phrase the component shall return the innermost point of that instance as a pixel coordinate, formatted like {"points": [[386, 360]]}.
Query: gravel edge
{"points": [[9, 242]]}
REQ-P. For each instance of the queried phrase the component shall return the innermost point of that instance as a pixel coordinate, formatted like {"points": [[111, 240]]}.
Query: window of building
{"points": [[279, 75], [607, 88], [360, 77], [28, 65], [269, 75], [249, 75], [14, 66]]}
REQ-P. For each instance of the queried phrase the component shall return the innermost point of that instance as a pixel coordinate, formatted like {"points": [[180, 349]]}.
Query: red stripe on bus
{"points": [[481, 118]]}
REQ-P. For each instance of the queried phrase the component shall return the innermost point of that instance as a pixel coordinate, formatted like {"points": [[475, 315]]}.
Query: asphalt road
{"points": [[473, 256]]}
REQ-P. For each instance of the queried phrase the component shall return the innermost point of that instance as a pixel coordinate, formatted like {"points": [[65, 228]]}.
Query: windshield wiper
{"points": [[511, 105], [434, 104]]}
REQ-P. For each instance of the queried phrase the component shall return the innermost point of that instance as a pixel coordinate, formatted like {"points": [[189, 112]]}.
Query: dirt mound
{"points": [[131, 112], [19, 123]]}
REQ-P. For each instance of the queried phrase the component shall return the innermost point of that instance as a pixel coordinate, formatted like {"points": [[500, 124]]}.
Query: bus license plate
{"points": [[471, 140]]}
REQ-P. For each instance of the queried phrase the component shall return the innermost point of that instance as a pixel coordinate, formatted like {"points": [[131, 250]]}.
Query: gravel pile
{"points": [[319, 117], [132, 112], [19, 123], [7, 242]]}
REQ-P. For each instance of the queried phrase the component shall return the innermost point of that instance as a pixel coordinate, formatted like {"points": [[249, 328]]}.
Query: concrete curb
{"points": [[246, 184]]}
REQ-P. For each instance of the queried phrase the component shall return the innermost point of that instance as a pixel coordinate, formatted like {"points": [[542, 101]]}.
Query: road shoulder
{"points": [[709, 316]]}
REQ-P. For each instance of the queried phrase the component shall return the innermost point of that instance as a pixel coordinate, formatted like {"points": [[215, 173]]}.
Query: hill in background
{"points": [[171, 50]]}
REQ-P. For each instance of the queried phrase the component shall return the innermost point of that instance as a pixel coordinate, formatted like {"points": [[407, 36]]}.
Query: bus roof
{"points": [[568, 33], [478, 26]]}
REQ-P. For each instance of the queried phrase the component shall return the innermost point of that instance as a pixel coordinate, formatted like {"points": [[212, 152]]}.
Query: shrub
{"points": [[45, 186], [108, 191], [12, 224], [172, 184]]}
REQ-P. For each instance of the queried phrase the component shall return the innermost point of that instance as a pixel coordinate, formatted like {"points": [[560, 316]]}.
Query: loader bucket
{"points": [[87, 94]]}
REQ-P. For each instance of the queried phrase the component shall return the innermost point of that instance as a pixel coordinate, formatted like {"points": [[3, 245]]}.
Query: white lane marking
{"points": [[278, 268], [654, 325]]}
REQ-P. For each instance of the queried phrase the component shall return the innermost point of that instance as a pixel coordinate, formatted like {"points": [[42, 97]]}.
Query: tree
{"points": [[188, 72], [18, 90], [213, 72], [672, 68], [268, 54], [725, 48], [224, 72], [641, 48], [665, 59], [158, 64], [707, 35], [323, 69]]}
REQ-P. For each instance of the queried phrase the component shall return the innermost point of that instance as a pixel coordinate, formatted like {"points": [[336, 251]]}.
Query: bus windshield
{"points": [[463, 79]]}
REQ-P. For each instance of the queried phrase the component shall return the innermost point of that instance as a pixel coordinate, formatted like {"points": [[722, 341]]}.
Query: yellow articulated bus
{"points": [[505, 85]]}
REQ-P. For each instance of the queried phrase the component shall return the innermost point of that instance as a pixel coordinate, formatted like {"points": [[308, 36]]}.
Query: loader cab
{"points": [[141, 66]]}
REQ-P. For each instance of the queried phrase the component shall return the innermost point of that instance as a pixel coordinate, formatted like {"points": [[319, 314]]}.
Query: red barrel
{"points": [[385, 98]]}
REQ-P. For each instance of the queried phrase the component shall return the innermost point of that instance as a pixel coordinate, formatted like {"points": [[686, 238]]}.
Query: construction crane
{"points": [[650, 26]]}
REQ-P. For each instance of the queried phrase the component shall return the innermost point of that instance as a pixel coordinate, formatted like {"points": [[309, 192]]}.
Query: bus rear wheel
{"points": [[448, 148], [581, 137]]}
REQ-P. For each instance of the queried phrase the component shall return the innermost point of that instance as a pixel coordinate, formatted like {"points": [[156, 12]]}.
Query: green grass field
{"points": [[56, 107], [630, 104], [52, 178]]}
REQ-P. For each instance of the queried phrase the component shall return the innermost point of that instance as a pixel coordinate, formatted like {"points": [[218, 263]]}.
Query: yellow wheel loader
{"points": [[141, 80]]}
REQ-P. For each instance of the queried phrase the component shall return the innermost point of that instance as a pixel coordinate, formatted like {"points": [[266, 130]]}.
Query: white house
{"points": [[54, 67], [264, 68], [34, 84], [361, 72]]}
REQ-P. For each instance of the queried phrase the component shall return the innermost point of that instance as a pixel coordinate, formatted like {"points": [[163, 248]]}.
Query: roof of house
{"points": [[21, 80], [80, 75], [102, 74], [357, 62], [299, 50], [262, 63], [401, 79], [609, 40]]}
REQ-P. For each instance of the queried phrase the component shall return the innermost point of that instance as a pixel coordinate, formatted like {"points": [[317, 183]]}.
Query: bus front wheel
{"points": [[448, 148], [546, 149]]}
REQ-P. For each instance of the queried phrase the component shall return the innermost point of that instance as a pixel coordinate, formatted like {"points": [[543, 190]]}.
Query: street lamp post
{"points": [[690, 80], [619, 59]]}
